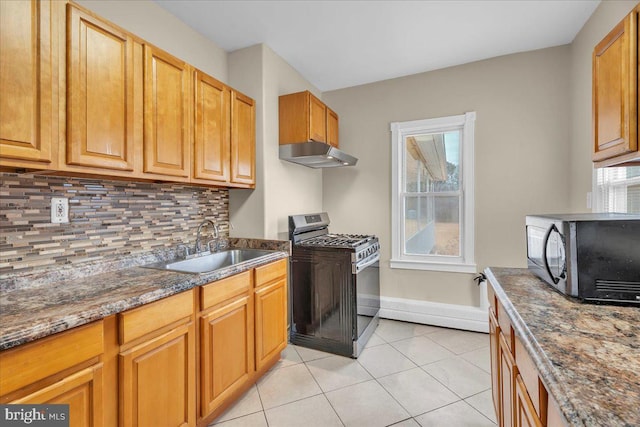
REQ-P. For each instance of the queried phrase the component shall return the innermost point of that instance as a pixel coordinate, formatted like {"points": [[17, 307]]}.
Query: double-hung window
{"points": [[432, 194], [617, 189]]}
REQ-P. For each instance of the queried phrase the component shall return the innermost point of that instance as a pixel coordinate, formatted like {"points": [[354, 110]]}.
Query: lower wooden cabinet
{"points": [[506, 377], [179, 361], [226, 342], [524, 412], [157, 363], [494, 331], [520, 398], [82, 391], [157, 381], [61, 369], [271, 311]]}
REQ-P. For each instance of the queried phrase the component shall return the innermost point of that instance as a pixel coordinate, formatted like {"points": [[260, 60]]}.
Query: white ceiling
{"points": [[337, 44]]}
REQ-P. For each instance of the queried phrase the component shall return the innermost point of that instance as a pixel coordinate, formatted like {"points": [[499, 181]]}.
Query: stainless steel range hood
{"points": [[315, 155]]}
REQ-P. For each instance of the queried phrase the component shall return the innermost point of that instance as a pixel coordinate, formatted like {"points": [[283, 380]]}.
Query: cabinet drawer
{"points": [[151, 317], [217, 292], [31, 362], [270, 272], [505, 325], [529, 373]]}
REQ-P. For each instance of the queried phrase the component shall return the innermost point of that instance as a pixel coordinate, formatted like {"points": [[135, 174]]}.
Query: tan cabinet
{"points": [[166, 114], [270, 311], [65, 368], [28, 67], [332, 127], [615, 94], [158, 363], [243, 139], [303, 117], [226, 340], [506, 383], [519, 396], [211, 130], [494, 348], [524, 411], [100, 111], [118, 106]]}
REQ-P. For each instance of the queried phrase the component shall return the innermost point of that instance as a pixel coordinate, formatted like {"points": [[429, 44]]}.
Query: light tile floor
{"points": [[408, 375]]}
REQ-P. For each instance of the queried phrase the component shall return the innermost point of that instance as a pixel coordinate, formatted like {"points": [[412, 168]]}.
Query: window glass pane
{"points": [[432, 225], [618, 189], [432, 162]]}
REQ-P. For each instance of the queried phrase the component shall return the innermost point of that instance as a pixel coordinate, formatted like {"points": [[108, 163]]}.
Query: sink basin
{"points": [[208, 263]]}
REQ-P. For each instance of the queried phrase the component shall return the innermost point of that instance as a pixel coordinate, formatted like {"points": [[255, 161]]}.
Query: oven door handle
{"points": [[359, 267]]}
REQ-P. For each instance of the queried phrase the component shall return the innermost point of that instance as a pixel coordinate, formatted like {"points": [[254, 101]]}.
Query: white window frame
{"points": [[600, 205], [465, 263]]}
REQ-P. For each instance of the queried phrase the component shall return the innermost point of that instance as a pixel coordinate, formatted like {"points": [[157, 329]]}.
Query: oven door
{"points": [[367, 285]]}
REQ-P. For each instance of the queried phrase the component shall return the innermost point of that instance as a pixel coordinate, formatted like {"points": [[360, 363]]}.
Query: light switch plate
{"points": [[59, 210]]}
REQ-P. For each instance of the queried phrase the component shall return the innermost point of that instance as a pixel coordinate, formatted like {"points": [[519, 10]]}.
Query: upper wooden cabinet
{"points": [[82, 96], [615, 94], [166, 114], [332, 127], [99, 93], [243, 139], [28, 67], [212, 129], [303, 117]]}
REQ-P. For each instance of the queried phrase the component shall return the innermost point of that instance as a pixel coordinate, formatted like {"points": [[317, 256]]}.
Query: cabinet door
{"points": [[157, 380], [271, 321], [82, 391], [508, 371], [524, 411], [317, 119], [100, 93], [332, 128], [494, 347], [27, 64], [212, 129], [243, 139], [615, 91], [166, 114], [226, 345]]}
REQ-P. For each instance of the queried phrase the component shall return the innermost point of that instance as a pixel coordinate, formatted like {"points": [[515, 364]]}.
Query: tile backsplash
{"points": [[106, 219]]}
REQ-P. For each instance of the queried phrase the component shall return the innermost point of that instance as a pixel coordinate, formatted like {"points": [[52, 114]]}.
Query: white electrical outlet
{"points": [[589, 200], [59, 210]]}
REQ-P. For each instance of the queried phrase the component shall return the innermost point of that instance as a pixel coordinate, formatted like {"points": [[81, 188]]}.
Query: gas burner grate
{"points": [[337, 240]]}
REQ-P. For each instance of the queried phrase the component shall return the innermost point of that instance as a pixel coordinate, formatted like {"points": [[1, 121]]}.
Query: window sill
{"points": [[434, 266]]}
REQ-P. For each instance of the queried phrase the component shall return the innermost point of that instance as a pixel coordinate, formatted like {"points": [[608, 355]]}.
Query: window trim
{"points": [[465, 263], [598, 204]]}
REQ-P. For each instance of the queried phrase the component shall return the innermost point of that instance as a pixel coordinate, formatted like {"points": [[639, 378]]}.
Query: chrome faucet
{"points": [[216, 232]]}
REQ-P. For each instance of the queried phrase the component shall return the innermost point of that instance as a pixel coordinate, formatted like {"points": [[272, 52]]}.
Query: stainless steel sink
{"points": [[208, 263]]}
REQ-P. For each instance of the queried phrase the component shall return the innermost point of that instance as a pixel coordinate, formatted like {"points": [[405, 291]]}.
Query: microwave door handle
{"points": [[544, 252]]}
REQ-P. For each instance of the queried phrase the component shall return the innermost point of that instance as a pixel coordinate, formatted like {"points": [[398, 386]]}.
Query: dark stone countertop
{"points": [[588, 356], [37, 305]]}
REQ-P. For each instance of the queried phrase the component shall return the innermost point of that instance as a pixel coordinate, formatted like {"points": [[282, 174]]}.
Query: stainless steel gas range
{"points": [[334, 286]]}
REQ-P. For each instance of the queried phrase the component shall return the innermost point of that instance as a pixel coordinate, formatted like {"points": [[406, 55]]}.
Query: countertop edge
{"points": [[537, 354]]}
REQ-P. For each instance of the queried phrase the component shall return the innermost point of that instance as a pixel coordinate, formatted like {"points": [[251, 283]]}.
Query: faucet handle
{"points": [[185, 248], [212, 245]]}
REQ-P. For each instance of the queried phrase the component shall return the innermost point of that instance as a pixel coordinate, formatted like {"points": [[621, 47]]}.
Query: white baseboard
{"points": [[433, 313]]}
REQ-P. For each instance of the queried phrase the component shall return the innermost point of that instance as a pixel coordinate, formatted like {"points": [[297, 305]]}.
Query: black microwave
{"points": [[594, 257]]}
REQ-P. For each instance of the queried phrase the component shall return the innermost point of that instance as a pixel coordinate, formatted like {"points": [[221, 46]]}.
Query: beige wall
{"points": [[152, 23], [521, 158], [282, 188], [605, 17]]}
